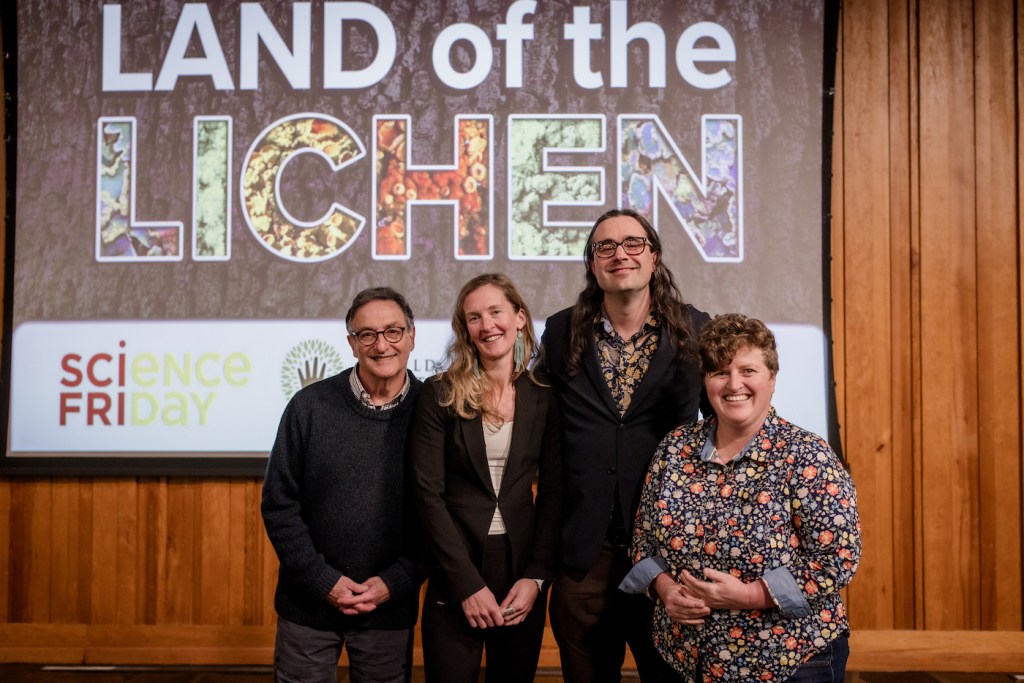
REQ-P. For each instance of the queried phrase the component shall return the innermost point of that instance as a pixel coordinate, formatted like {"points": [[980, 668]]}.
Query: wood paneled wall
{"points": [[926, 277], [927, 309]]}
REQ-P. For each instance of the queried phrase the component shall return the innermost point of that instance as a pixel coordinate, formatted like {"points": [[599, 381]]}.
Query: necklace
{"points": [[495, 419], [494, 427], [504, 406]]}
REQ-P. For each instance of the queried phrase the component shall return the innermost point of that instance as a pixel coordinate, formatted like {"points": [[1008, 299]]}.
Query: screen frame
{"points": [[200, 465]]}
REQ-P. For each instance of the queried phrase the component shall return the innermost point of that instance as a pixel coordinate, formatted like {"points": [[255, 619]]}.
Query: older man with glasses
{"points": [[334, 506], [621, 361]]}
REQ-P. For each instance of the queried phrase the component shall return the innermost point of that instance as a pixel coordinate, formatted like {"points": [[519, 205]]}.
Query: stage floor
{"points": [[36, 673]]}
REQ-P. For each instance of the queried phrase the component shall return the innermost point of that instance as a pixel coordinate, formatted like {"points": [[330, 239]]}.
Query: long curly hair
{"points": [[666, 300], [461, 388]]}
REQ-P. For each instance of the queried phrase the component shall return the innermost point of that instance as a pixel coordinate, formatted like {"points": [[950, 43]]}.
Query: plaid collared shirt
{"points": [[364, 397]]}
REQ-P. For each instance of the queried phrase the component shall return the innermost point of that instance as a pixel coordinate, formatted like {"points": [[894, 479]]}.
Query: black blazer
{"points": [[601, 451], [455, 498]]}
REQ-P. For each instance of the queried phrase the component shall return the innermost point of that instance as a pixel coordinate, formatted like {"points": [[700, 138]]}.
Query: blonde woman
{"points": [[485, 430]]}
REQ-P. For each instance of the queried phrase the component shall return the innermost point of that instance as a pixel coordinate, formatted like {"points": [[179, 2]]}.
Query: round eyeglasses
{"points": [[631, 245], [369, 337]]}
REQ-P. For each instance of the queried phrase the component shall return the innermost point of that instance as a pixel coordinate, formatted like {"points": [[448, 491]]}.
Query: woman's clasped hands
{"points": [[682, 606], [691, 599], [483, 611]]}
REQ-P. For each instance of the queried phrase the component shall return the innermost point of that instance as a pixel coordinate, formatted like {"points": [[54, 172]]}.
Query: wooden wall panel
{"points": [[928, 320], [29, 548], [237, 518], [102, 555], [153, 557], [84, 551], [1019, 215], [214, 548], [181, 545], [913, 345], [268, 580], [867, 436], [949, 314], [999, 444], [902, 143], [258, 604], [130, 526], [65, 579]]}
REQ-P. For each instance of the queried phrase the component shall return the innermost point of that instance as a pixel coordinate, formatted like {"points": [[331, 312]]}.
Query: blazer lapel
{"points": [[592, 369], [473, 436], [522, 426], [661, 363]]}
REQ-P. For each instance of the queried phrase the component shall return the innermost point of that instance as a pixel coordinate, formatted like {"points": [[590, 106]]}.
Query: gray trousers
{"points": [[308, 655]]}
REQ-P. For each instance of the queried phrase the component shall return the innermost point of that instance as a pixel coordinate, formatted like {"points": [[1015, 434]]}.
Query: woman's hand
{"points": [[482, 609], [521, 598], [681, 606], [725, 591]]}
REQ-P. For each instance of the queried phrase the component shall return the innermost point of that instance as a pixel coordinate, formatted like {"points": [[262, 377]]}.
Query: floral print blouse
{"points": [[784, 511]]}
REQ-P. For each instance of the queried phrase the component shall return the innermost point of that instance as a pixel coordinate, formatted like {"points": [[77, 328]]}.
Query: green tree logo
{"points": [[307, 362]]}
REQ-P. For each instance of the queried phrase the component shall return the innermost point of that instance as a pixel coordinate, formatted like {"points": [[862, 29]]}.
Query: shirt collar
{"points": [[749, 451], [364, 396], [604, 323]]}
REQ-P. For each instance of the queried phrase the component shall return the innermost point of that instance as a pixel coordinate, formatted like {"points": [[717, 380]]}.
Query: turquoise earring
{"points": [[519, 352]]}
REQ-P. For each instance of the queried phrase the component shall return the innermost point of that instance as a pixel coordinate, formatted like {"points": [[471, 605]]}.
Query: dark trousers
{"points": [[452, 649], [593, 621], [307, 655]]}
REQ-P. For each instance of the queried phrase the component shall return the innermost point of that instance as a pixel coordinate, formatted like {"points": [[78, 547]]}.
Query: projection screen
{"points": [[201, 188]]}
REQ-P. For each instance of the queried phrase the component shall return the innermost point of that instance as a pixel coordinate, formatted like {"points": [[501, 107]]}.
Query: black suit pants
{"points": [[452, 649]]}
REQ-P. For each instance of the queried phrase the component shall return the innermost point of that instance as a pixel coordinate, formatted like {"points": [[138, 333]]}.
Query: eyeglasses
{"points": [[631, 245], [369, 337]]}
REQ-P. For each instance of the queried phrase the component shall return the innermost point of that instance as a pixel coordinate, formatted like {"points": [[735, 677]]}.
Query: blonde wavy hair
{"points": [[463, 389]]}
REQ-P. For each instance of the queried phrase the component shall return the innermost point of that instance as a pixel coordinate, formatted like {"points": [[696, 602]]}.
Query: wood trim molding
{"points": [[955, 651]]}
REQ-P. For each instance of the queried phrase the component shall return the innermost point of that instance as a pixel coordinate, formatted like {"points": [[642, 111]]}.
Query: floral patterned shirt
{"points": [[624, 362], [785, 511]]}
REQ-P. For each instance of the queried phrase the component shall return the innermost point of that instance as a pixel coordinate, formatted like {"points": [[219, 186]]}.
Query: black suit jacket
{"points": [[455, 498], [602, 452]]}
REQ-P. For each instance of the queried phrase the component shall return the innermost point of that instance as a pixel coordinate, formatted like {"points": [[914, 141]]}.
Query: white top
{"points": [[498, 441]]}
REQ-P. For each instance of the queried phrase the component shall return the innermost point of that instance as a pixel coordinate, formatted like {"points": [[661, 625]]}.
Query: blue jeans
{"points": [[828, 666], [308, 655]]}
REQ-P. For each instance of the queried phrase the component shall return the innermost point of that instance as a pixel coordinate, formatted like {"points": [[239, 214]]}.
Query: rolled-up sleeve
{"points": [[639, 578], [786, 594]]}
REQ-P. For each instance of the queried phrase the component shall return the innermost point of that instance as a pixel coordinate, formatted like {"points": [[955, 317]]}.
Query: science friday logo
{"points": [[122, 387]]}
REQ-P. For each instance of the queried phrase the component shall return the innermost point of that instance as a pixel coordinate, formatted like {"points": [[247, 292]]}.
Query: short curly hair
{"points": [[728, 333]]}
